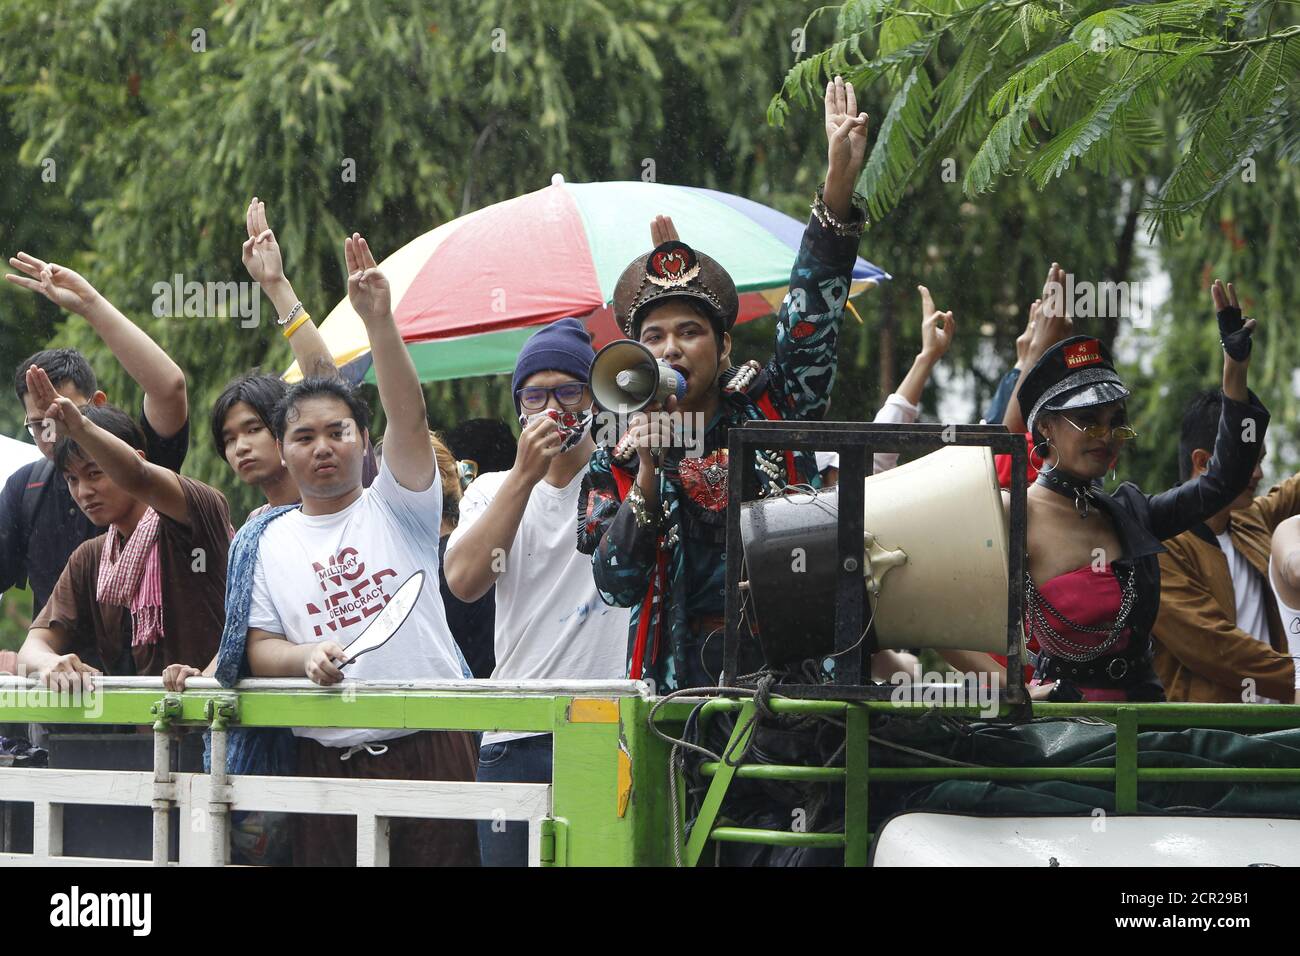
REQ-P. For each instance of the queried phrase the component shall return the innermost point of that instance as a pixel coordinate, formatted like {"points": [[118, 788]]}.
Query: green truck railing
{"points": [[611, 798], [608, 800]]}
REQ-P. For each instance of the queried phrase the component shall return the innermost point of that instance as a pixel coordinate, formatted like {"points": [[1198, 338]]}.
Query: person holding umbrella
{"points": [[652, 517]]}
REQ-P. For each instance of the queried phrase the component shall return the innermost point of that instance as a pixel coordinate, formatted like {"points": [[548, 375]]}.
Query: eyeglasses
{"points": [[1104, 432], [534, 397]]}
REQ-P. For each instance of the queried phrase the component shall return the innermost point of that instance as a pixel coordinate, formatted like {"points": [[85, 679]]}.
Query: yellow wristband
{"points": [[297, 322]]}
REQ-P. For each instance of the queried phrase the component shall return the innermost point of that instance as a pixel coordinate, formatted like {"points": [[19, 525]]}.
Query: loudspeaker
{"points": [[626, 377], [935, 560]]}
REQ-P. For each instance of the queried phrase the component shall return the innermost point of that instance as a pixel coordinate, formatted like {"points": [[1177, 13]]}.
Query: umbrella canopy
{"points": [[469, 293]]}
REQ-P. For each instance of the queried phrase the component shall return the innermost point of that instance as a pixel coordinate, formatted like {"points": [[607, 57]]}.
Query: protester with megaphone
{"points": [[653, 512]]}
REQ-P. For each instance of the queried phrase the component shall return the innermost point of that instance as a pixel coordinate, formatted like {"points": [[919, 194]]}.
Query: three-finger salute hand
{"points": [[1234, 330], [846, 128], [261, 251], [59, 409], [65, 288], [368, 288], [662, 230], [1025, 338]]}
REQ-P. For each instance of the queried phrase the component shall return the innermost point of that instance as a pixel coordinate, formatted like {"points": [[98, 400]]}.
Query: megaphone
{"points": [[626, 377], [935, 560]]}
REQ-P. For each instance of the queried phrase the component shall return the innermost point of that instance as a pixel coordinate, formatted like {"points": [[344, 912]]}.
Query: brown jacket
{"points": [[1200, 653]]}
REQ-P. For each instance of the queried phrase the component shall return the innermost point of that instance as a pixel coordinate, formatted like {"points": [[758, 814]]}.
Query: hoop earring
{"points": [[1042, 469]]}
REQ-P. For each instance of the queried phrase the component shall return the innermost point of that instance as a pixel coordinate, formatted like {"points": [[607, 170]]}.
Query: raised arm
{"points": [[1239, 439], [846, 136], [937, 330], [1051, 324], [165, 402], [904, 405], [158, 487], [265, 263], [997, 410], [807, 327], [406, 439]]}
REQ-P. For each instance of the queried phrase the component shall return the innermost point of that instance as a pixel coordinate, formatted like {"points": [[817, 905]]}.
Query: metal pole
{"points": [[162, 796], [164, 791], [218, 787]]}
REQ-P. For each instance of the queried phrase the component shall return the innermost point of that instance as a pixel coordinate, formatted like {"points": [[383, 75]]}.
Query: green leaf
{"points": [[1106, 119], [1068, 61], [995, 153], [893, 158], [1105, 29]]}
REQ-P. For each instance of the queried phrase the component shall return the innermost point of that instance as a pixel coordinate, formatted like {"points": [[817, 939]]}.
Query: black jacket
{"points": [[1142, 521]]}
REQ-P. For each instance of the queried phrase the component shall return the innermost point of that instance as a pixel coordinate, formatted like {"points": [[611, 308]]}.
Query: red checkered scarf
{"points": [[130, 576]]}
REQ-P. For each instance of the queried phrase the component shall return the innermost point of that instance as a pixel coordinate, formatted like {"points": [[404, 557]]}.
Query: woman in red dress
{"points": [[1092, 585]]}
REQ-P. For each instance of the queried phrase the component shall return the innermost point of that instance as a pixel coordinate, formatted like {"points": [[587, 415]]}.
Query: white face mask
{"points": [[573, 425]]}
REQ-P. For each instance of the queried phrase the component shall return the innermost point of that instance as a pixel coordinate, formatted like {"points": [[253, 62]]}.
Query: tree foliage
{"points": [[1079, 114], [1041, 87]]}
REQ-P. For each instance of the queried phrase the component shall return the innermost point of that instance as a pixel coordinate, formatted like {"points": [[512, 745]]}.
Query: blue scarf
{"points": [[260, 750]]}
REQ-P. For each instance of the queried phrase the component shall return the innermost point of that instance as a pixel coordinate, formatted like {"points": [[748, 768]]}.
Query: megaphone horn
{"points": [[626, 377]]}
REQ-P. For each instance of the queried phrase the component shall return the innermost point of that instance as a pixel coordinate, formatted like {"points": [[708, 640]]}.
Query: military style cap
{"points": [[674, 270], [1074, 373]]}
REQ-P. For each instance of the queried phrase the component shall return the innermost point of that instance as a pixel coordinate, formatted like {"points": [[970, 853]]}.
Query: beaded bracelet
{"points": [[830, 221]]}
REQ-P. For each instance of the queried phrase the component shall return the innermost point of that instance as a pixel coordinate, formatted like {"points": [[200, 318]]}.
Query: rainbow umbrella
{"points": [[469, 293]]}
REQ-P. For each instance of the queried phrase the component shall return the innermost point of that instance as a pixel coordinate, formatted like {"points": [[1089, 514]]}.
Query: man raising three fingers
{"points": [[319, 572]]}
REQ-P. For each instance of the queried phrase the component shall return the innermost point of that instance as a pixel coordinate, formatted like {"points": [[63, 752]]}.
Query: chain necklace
{"points": [[1057, 645]]}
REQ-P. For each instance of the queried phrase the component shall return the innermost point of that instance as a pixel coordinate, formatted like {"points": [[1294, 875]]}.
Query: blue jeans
{"points": [[523, 760]]}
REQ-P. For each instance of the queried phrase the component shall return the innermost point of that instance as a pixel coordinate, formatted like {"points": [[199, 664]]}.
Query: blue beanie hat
{"points": [[563, 346]]}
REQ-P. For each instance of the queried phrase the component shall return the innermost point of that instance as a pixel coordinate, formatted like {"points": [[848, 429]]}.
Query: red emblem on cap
{"points": [[672, 263], [1087, 352], [669, 265], [802, 330]]}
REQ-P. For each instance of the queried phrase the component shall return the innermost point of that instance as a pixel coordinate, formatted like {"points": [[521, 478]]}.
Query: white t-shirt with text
{"points": [[324, 577]]}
